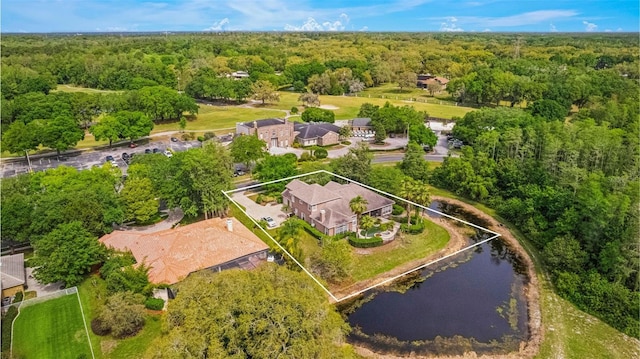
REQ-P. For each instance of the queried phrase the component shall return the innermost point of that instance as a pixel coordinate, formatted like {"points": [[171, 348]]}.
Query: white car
{"points": [[168, 153], [270, 222]]}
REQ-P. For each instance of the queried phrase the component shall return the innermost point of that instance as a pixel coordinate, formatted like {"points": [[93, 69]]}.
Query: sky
{"points": [[82, 16]]}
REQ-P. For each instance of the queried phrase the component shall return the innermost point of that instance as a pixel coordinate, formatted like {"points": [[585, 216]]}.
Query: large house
{"points": [[320, 134], [13, 274], [327, 207], [173, 254], [361, 124], [278, 132], [275, 132]]}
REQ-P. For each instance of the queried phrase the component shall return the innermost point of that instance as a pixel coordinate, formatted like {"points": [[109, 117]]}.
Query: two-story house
{"points": [[276, 132], [327, 207]]}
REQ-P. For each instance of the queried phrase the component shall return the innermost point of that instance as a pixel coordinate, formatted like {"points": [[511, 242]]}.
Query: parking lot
{"points": [[94, 157]]}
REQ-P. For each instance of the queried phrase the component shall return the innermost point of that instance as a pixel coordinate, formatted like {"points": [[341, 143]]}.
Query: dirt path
{"points": [[527, 349]]}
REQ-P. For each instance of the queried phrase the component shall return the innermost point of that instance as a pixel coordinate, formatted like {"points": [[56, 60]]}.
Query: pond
{"points": [[474, 301]]}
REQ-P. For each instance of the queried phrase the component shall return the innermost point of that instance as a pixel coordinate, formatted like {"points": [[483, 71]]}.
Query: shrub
{"points": [[99, 328], [346, 143], [260, 199], [413, 228], [365, 242], [294, 110], [314, 114], [188, 136], [154, 303], [209, 135], [7, 319], [296, 145], [397, 210], [320, 153], [201, 138], [18, 297], [312, 231], [305, 156]]}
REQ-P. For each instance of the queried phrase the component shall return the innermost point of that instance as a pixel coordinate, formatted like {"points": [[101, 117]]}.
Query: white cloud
{"points": [[619, 29], [218, 25], [552, 28], [364, 28], [450, 25], [608, 30], [486, 30], [312, 25], [589, 26], [527, 18]]}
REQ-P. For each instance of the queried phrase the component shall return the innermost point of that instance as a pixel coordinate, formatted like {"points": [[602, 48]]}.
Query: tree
{"points": [[320, 84], [344, 132], [420, 134], [299, 86], [407, 80], [413, 164], [434, 87], [122, 315], [358, 205], [61, 133], [135, 124], [309, 99], [139, 200], [264, 91], [356, 86], [182, 123], [66, 254], [269, 312], [356, 164], [289, 237], [368, 110], [334, 262], [247, 150], [109, 128], [19, 138], [121, 275], [386, 178], [314, 114], [367, 222], [273, 168]]}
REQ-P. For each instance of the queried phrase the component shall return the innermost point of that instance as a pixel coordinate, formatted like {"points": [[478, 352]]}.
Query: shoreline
{"points": [[528, 348]]}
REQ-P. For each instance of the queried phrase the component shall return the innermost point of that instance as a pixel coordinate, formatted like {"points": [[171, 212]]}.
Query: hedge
{"points": [[365, 242], [397, 210], [154, 303], [312, 231], [412, 229]]}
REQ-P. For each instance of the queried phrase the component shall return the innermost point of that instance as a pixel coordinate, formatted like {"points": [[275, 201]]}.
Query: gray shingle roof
{"points": [[314, 130], [264, 122], [12, 270], [362, 121], [311, 194]]}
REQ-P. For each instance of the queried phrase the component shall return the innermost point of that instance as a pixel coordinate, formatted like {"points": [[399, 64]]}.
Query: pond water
{"points": [[476, 294]]}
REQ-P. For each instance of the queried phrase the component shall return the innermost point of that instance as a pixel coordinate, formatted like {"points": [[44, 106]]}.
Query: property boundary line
{"points": [[84, 320], [226, 193]]}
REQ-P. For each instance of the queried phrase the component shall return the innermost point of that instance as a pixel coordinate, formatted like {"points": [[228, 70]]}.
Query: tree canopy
{"points": [[264, 313]]}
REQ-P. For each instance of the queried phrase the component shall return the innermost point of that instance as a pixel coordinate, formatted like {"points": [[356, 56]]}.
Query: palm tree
{"points": [[408, 192], [421, 195], [366, 223], [358, 205], [288, 237]]}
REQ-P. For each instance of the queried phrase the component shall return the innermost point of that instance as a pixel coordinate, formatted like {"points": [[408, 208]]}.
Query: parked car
{"points": [[125, 156], [174, 139], [148, 150], [168, 153], [110, 158], [133, 145], [238, 173], [156, 150], [270, 222]]}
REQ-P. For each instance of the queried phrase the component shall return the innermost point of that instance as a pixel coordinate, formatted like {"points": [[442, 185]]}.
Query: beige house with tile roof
{"points": [[173, 254], [327, 207]]}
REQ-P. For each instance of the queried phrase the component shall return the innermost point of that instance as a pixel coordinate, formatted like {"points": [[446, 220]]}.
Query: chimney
{"points": [[322, 216], [255, 124], [229, 225]]}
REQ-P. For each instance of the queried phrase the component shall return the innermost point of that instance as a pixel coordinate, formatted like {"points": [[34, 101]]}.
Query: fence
{"points": [[44, 298]]}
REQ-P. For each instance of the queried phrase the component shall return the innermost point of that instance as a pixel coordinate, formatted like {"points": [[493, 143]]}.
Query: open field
{"points": [[51, 329], [69, 88]]}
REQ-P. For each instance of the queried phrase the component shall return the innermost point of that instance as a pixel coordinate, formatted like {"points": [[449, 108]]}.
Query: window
{"points": [[386, 210], [341, 229], [312, 208]]}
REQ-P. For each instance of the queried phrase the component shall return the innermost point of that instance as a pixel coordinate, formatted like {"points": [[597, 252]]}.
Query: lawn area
{"points": [[69, 88], [92, 292], [387, 257], [51, 329]]}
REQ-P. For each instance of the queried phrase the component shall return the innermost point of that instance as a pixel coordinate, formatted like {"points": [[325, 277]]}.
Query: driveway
{"points": [[273, 210], [40, 289]]}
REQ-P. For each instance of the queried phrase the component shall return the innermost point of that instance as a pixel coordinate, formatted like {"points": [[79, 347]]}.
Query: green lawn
{"points": [[413, 247], [51, 329], [69, 88]]}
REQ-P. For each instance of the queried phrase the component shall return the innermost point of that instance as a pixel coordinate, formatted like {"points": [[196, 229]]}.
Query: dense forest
{"points": [[553, 148]]}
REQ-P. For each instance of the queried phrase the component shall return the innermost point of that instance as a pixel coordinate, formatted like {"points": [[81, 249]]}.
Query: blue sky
{"points": [[319, 15]]}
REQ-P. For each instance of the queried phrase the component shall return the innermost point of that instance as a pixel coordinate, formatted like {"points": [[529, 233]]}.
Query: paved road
{"points": [[86, 159]]}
